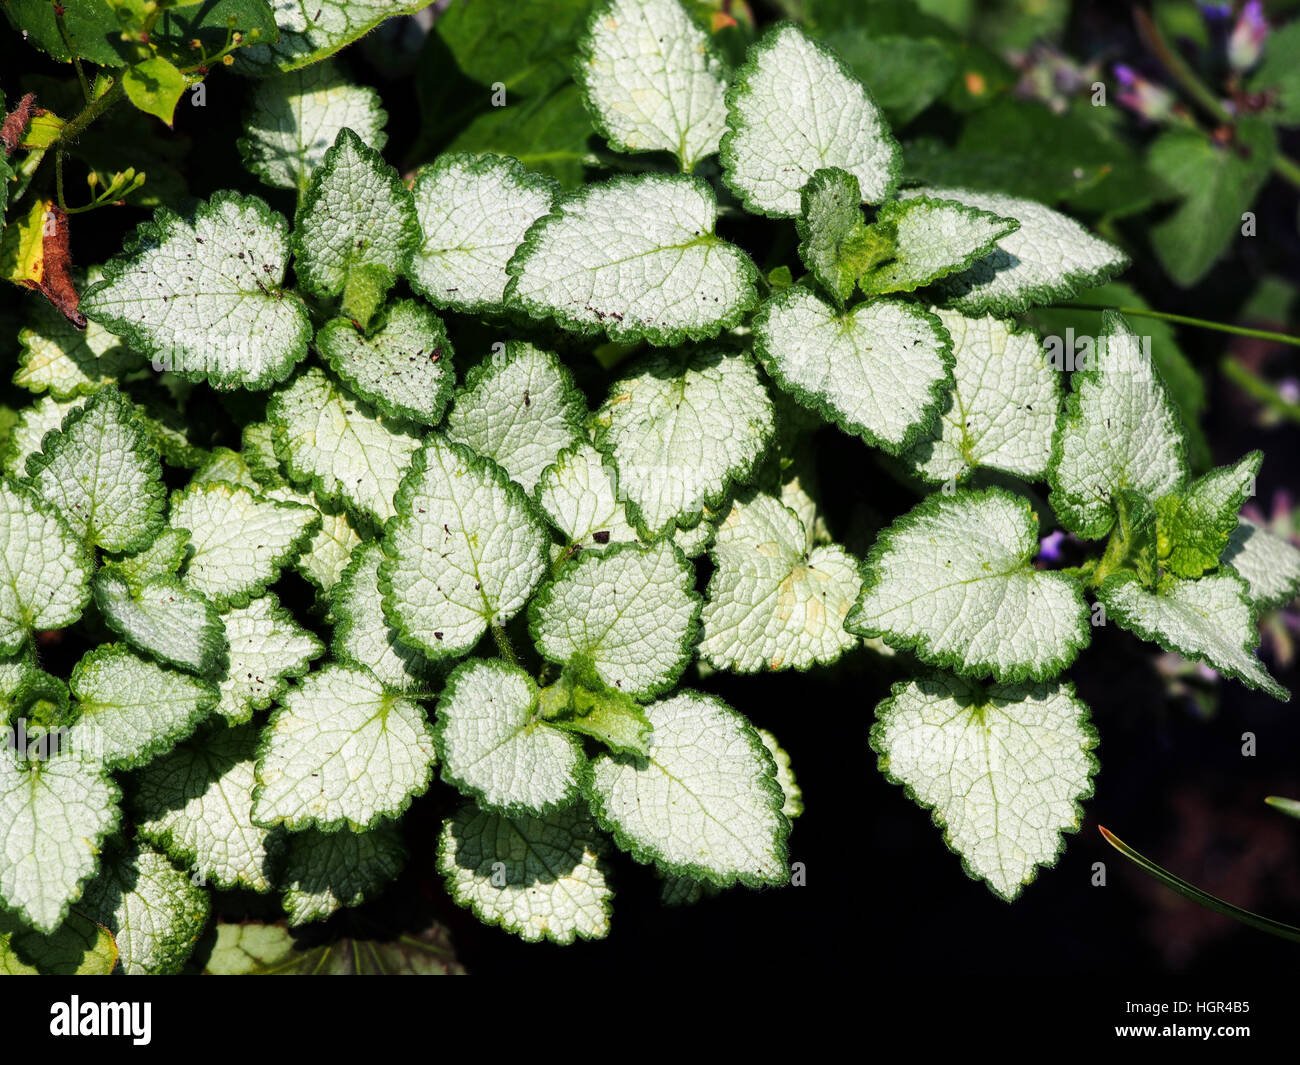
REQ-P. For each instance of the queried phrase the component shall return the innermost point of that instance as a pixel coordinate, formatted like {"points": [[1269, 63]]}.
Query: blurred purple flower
{"points": [[1246, 42], [1049, 548], [1153, 102]]}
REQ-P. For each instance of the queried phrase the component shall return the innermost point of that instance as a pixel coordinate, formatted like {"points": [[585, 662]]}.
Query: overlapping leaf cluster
{"points": [[504, 575]]}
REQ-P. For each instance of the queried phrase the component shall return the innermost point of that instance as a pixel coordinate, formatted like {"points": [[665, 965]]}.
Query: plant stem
{"points": [[78, 124], [1182, 319], [1257, 388], [503, 645], [72, 52]]}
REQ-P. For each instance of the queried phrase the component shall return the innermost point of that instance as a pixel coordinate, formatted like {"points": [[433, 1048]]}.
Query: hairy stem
{"points": [[503, 645]]}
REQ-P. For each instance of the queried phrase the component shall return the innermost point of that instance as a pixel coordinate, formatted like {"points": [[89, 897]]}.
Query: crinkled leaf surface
{"points": [[338, 445], [631, 610], [200, 295], [102, 474], [311, 30], [1049, 258], [135, 708], [363, 636], [1002, 411], [933, 238], [324, 871], [356, 227], [794, 108], [464, 552], [520, 408], [830, 225], [538, 877], [53, 815], [580, 701], [267, 648], [772, 603], [28, 432], [1269, 564], [1193, 526], [704, 803], [162, 558], [154, 910], [682, 428], [652, 79], [1003, 769], [196, 804], [241, 541], [579, 493], [1119, 431], [1208, 620], [953, 580], [341, 752], [878, 370], [636, 257], [44, 571], [473, 212], [296, 118], [403, 367], [494, 747], [784, 775], [56, 357], [161, 617]]}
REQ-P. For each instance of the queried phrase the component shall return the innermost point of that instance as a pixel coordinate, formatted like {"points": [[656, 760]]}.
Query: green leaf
{"points": [[403, 367], [1266, 562], [464, 551], [92, 28], [579, 493], [296, 118], [155, 912], [355, 228], [494, 747], [879, 369], [241, 541], [631, 611], [652, 80], [580, 701], [342, 448], [162, 558], [932, 238], [905, 74], [78, 947], [1003, 769], [267, 649], [1048, 259], [1278, 75], [682, 428], [341, 752], [101, 472], [1208, 620], [55, 356], [44, 570], [135, 708], [794, 108], [1218, 183], [538, 877], [310, 32], [196, 805], [208, 21], [54, 813], [520, 408], [325, 871], [473, 211], [363, 636], [28, 432], [1194, 525], [953, 580], [1002, 412], [1290, 807], [1118, 431], [201, 295], [829, 222], [161, 617], [772, 603], [155, 86], [636, 257], [704, 803]]}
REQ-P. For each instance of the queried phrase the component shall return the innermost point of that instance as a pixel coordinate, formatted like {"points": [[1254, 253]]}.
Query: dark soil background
{"points": [[881, 887]]}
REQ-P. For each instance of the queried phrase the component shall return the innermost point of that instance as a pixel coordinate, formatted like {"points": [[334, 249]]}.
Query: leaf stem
{"points": [[1183, 319], [72, 52], [1203, 898], [78, 124], [503, 645]]}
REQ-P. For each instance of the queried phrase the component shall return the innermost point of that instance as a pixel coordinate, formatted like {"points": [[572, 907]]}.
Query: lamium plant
{"points": [[522, 586]]}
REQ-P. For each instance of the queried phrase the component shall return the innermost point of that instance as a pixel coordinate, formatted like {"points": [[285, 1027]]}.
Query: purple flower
{"points": [[1246, 42], [1153, 102], [1049, 548]]}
